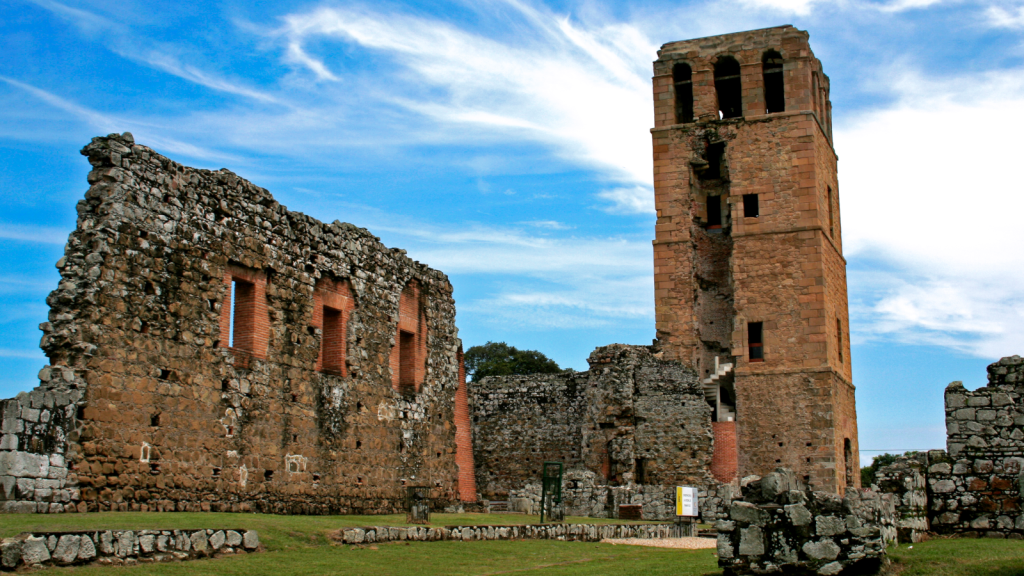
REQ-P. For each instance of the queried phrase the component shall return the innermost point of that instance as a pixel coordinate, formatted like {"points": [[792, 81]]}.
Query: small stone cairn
{"points": [[779, 526]]}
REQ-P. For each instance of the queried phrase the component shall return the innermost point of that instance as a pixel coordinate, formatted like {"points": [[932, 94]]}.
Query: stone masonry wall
{"points": [[628, 431], [906, 480], [976, 486], [779, 526], [212, 350]]}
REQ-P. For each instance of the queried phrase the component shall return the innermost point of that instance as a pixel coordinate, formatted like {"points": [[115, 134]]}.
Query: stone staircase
{"points": [[710, 384]]}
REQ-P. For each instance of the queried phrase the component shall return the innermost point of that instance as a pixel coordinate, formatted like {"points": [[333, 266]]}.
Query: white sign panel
{"points": [[686, 501]]}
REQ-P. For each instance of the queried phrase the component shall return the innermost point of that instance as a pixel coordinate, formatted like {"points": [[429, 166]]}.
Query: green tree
{"points": [[500, 359]]}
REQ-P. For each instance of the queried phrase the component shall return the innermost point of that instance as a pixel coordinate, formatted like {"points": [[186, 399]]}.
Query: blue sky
{"points": [[507, 143]]}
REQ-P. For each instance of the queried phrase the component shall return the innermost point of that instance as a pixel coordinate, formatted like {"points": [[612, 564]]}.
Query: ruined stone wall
{"points": [[520, 422], [906, 480], [175, 411], [631, 421], [781, 527], [976, 486], [37, 429]]}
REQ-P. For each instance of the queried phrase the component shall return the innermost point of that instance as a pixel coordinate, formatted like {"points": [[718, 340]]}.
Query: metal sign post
{"points": [[686, 509], [550, 486]]}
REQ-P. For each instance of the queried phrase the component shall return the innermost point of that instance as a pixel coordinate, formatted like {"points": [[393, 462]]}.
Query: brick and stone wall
{"points": [[779, 526], [212, 350], [122, 547], [975, 486], [628, 431]]}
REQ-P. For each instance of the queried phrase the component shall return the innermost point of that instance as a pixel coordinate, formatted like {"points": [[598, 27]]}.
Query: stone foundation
{"points": [[780, 526]]}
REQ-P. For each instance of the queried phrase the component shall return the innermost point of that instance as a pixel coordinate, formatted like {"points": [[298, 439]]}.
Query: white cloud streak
{"points": [[1001, 17], [583, 91], [632, 200]]}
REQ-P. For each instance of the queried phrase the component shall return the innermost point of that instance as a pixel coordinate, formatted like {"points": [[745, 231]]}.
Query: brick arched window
{"points": [[728, 87], [682, 78], [333, 304], [774, 88], [409, 355]]}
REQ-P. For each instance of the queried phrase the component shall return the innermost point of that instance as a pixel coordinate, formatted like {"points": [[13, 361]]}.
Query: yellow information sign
{"points": [[686, 501]]}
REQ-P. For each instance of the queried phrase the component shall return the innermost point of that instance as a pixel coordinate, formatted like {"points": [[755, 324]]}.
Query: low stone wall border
{"points": [[121, 547], [566, 532]]}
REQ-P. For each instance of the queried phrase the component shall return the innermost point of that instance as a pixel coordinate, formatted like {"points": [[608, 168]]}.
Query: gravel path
{"points": [[686, 543]]}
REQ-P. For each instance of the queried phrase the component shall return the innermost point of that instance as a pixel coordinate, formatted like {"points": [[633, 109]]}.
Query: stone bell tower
{"points": [[750, 279]]}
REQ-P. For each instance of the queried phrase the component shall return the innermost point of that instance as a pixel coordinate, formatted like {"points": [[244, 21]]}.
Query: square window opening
{"points": [[406, 362], [750, 206], [755, 342]]}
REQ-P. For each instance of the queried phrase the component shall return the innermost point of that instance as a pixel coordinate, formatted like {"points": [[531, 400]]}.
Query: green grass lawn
{"points": [[959, 557]]}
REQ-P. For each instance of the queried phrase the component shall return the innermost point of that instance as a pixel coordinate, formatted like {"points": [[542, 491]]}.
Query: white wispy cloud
{"points": [[631, 200], [1005, 16], [935, 199], [584, 91]]}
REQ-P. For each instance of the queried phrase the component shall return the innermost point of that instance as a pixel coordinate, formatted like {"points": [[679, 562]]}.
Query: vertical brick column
{"points": [[725, 461], [464, 438]]}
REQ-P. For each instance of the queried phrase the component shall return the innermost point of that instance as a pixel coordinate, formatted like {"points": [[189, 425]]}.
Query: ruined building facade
{"points": [[750, 279], [211, 350], [628, 431]]}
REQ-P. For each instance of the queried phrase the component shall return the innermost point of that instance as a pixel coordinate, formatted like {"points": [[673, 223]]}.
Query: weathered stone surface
{"points": [[798, 514], [86, 550], [10, 552], [67, 549], [822, 550], [217, 540], [233, 538], [751, 541], [34, 551], [251, 540]]}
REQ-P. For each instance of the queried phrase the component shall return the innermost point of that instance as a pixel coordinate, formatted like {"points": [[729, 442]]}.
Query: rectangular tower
{"points": [[750, 279]]}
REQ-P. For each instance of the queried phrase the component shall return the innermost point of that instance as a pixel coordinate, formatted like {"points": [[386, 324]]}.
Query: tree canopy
{"points": [[500, 359]]}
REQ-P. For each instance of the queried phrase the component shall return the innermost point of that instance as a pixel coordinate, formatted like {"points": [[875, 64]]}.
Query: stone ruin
{"points": [[974, 487], [211, 350], [628, 431], [778, 525]]}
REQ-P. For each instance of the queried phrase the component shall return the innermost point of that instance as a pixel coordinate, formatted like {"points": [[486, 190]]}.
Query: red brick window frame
{"points": [[333, 304], [755, 341], [409, 354], [244, 318]]}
